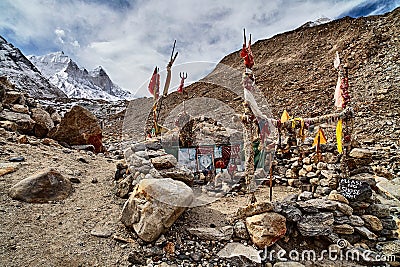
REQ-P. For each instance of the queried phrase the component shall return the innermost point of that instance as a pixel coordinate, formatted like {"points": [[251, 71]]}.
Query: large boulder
{"points": [[266, 228], [48, 185], [154, 206], [23, 121], [44, 123], [79, 127]]}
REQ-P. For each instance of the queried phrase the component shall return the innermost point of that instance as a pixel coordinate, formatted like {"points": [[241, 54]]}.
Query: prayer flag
{"points": [[285, 116], [339, 136], [321, 136]]}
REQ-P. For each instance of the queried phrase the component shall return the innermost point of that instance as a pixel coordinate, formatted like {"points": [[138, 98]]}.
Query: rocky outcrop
{"points": [[43, 121], [154, 206], [42, 187]]}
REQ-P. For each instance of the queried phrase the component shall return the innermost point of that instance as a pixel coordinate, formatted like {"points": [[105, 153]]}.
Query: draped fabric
{"points": [[154, 85], [339, 135]]}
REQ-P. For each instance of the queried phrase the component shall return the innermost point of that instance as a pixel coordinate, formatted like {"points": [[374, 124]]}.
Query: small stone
{"points": [[302, 172], [94, 180], [346, 209], [344, 229], [288, 264], [240, 230], [6, 168], [360, 153], [322, 166], [305, 195], [237, 249], [372, 222], [101, 233], [17, 159], [337, 197], [75, 180], [314, 181], [217, 234], [356, 220], [22, 139], [308, 168], [365, 232]]}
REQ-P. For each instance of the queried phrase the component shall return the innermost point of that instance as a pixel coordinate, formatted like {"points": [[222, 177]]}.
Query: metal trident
{"points": [[183, 75]]}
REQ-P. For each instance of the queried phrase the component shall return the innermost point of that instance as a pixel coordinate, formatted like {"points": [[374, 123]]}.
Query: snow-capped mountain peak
{"points": [[77, 82]]}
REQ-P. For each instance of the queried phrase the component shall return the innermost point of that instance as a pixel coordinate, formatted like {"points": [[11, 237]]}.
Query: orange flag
{"points": [[321, 136], [285, 116]]}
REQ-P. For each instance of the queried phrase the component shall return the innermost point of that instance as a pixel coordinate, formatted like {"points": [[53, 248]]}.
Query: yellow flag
{"points": [[339, 136], [285, 116], [321, 136]]}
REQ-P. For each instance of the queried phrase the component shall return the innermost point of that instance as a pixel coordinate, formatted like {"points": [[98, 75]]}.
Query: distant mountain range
{"points": [[77, 82], [56, 75], [23, 74]]}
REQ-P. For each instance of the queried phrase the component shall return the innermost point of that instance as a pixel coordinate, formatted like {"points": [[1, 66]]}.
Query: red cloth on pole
{"points": [[154, 84]]}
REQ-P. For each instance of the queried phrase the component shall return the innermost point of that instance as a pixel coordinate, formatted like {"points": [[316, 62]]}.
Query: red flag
{"points": [[154, 84], [180, 88], [247, 55]]}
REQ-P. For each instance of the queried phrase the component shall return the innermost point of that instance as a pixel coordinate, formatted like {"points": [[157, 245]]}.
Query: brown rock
{"points": [[372, 223], [22, 139], [337, 197], [164, 162], [9, 125], [254, 209], [44, 123], [42, 187], [265, 229], [20, 108], [343, 229], [79, 127], [6, 168]]}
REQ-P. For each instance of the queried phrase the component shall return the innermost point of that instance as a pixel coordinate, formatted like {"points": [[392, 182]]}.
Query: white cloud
{"points": [[129, 42]]}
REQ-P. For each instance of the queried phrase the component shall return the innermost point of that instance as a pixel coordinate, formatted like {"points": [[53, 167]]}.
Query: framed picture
{"points": [[187, 157], [205, 162]]}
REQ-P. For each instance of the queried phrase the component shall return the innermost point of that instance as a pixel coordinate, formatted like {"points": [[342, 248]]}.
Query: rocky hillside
{"points": [[294, 71], [77, 82], [23, 74]]}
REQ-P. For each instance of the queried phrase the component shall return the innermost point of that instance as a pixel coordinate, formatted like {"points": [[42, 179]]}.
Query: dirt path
{"points": [[59, 233]]}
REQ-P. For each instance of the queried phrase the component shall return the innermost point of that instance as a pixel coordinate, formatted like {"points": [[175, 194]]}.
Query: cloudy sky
{"points": [[129, 37]]}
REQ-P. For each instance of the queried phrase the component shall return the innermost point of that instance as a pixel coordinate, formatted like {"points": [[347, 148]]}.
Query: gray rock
{"points": [[291, 213], [48, 185], [237, 250], [306, 195], [288, 264], [154, 206], [313, 205], [319, 224], [101, 232], [23, 121], [138, 147], [365, 232], [217, 234], [240, 230], [379, 210]]}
